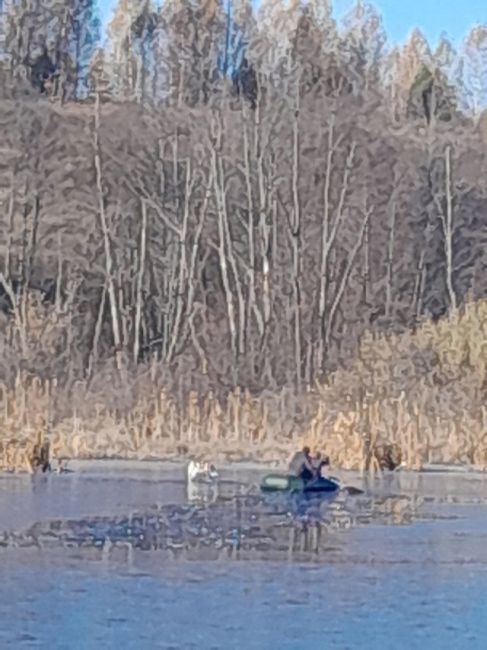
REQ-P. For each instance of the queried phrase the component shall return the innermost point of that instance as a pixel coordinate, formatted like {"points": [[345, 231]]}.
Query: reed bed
{"points": [[421, 393]]}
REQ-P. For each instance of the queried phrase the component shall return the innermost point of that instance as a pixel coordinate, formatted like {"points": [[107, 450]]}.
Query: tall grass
{"points": [[422, 391]]}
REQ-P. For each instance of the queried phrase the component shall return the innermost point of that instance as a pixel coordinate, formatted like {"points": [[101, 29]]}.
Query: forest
{"points": [[227, 230]]}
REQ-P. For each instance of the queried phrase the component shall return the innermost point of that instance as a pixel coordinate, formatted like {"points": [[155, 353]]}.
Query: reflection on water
{"points": [[202, 492], [232, 520], [108, 562]]}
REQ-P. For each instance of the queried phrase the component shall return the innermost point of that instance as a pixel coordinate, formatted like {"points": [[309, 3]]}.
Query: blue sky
{"points": [[455, 17]]}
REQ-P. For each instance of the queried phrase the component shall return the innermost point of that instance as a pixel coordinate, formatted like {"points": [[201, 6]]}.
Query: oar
{"points": [[349, 489]]}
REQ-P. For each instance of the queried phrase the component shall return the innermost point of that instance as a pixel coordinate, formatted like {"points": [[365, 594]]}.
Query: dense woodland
{"points": [[221, 198]]}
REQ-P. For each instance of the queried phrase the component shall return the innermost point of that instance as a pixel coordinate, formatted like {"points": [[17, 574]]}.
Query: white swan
{"points": [[201, 472], [212, 473], [193, 470]]}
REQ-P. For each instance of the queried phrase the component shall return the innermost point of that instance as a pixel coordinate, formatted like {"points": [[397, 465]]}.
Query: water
{"points": [[404, 566]]}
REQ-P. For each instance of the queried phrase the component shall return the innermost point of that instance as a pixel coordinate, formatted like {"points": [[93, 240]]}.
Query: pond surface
{"points": [[113, 558]]}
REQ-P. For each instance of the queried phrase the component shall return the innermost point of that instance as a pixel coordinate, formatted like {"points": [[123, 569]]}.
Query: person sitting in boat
{"points": [[301, 465], [320, 461]]}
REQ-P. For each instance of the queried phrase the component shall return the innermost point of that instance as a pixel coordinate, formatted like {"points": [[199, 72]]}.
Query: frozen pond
{"points": [[112, 557]]}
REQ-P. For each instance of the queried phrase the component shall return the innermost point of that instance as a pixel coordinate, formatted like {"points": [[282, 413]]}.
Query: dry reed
{"points": [[420, 392]]}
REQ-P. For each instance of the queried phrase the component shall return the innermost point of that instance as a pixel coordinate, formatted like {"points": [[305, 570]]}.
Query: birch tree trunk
{"points": [[264, 228], [10, 231], [228, 263], [182, 265], [295, 232], [109, 266], [345, 276], [140, 279], [390, 258], [252, 261], [448, 229], [329, 232]]}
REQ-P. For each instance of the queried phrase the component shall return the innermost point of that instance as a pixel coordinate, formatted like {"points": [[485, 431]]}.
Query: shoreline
{"points": [[166, 464], [170, 463]]}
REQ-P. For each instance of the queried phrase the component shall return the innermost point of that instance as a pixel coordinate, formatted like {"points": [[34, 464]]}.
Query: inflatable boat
{"points": [[293, 484]]}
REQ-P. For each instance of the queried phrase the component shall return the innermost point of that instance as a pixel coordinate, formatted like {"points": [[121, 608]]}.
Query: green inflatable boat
{"points": [[293, 484]]}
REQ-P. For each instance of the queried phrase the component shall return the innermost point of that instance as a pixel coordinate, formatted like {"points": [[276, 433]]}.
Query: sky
{"points": [[433, 17], [455, 17]]}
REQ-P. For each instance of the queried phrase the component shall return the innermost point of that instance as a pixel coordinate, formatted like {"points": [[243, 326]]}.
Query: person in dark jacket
{"points": [[320, 461], [301, 465]]}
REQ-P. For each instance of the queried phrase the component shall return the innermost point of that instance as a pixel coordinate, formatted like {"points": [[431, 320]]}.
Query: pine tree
{"points": [[431, 96], [400, 69]]}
